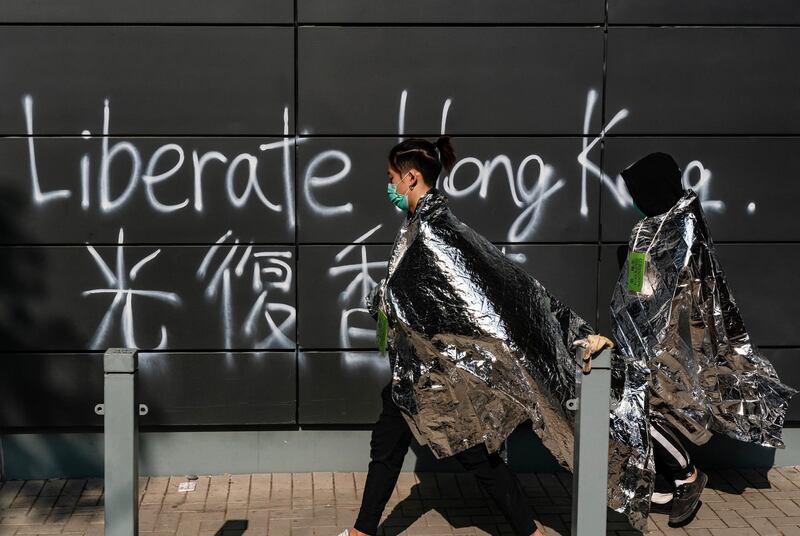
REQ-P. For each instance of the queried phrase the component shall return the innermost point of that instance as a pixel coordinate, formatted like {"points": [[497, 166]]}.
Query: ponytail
{"points": [[447, 155]]}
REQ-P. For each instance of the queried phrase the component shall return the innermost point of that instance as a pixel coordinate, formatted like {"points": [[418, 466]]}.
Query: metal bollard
{"points": [[590, 465], [121, 437]]}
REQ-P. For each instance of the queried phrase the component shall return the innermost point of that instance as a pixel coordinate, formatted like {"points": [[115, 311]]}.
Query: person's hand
{"points": [[591, 345], [373, 298]]}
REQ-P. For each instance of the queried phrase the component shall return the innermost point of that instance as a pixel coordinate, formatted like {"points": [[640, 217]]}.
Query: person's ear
{"points": [[414, 178]]}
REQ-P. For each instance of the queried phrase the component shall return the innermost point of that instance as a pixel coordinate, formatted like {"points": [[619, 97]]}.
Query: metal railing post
{"points": [[121, 437], [590, 465]]}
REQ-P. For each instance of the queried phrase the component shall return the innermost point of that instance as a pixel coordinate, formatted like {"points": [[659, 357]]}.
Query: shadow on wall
{"points": [[24, 282], [35, 455], [22, 285]]}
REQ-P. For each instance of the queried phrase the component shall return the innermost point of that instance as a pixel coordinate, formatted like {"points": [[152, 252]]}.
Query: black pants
{"points": [[391, 438], [672, 459]]}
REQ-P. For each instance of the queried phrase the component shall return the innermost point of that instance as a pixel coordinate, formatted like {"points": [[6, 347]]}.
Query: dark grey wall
{"points": [[205, 180]]}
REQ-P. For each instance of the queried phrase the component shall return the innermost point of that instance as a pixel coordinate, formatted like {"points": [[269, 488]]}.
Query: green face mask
{"points": [[398, 200]]}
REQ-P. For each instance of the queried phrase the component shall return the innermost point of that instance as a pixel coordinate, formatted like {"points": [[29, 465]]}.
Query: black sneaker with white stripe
{"points": [[685, 499]]}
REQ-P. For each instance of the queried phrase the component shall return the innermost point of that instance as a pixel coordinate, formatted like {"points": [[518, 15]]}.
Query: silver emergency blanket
{"points": [[477, 346], [684, 330]]}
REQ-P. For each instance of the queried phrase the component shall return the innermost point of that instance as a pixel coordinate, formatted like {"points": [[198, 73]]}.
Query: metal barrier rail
{"points": [[590, 474], [121, 441]]}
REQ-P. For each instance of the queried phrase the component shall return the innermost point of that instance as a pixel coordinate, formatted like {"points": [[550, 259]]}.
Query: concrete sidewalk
{"points": [[737, 502]]}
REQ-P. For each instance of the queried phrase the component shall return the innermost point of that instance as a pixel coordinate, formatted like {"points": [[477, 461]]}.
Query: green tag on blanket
{"points": [[636, 268], [383, 328]]}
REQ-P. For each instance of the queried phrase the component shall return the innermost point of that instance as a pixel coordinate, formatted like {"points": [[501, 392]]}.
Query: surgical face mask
{"points": [[398, 200]]}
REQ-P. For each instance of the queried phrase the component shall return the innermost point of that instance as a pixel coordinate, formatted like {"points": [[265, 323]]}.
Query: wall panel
{"points": [[156, 79], [414, 72], [704, 80], [131, 11], [61, 390]]}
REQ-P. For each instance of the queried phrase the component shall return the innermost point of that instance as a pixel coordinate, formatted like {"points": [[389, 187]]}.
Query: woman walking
{"points": [[476, 346]]}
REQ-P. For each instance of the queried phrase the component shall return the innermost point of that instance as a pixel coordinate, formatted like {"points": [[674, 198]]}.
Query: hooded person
{"points": [[478, 346], [673, 314]]}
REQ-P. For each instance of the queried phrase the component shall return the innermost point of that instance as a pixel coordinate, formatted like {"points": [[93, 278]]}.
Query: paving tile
{"points": [[32, 487], [302, 481], [322, 481], [200, 493], [785, 521], [52, 487], [94, 486], [777, 480], [166, 522], [708, 524], [792, 473], [20, 516], [360, 478], [23, 501], [448, 485], [73, 487], [77, 523], [566, 481], [239, 489], [761, 512], [218, 487], [94, 530], [552, 485], [9, 492], [788, 507], [260, 487], [37, 529], [58, 516], [764, 527], [531, 485], [427, 486], [763, 502]]}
